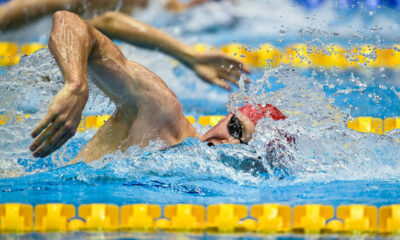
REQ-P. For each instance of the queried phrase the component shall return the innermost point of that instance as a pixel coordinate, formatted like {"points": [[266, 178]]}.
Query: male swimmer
{"points": [[16, 13], [147, 110]]}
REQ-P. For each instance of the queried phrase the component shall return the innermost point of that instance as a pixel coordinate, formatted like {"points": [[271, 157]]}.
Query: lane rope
{"points": [[222, 218], [361, 124], [266, 55]]}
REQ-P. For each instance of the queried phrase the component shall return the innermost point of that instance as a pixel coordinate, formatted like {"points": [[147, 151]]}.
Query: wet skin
{"points": [[147, 110], [17, 13], [219, 133]]}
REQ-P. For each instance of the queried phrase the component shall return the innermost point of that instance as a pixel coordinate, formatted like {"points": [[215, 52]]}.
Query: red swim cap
{"points": [[255, 113]]}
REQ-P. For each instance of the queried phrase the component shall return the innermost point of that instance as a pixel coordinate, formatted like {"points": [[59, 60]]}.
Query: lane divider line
{"points": [[360, 124], [266, 55]]}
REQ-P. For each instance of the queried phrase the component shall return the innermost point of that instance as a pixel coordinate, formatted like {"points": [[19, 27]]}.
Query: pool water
{"points": [[329, 164]]}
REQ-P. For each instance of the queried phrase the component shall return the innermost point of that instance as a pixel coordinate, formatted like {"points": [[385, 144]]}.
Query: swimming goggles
{"points": [[235, 128]]}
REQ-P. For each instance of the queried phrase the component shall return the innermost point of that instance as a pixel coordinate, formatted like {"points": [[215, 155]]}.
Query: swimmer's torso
{"points": [[160, 116]]}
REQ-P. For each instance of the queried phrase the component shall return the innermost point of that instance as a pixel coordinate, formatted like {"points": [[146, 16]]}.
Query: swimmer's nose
{"points": [[219, 134], [212, 138]]}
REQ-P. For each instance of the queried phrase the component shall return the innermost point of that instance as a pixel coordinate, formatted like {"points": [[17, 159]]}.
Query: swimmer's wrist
{"points": [[78, 87], [188, 56]]}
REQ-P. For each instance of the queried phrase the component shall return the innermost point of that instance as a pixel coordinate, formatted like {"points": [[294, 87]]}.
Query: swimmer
{"points": [[147, 110], [177, 6], [16, 13]]}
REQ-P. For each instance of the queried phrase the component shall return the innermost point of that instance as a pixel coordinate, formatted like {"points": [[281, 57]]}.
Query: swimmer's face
{"points": [[232, 129]]}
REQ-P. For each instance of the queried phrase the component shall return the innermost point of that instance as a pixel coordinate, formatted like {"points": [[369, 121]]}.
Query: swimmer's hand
{"points": [[219, 69], [60, 123]]}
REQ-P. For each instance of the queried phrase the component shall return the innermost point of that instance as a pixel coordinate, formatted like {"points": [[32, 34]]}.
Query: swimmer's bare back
{"points": [[147, 110]]}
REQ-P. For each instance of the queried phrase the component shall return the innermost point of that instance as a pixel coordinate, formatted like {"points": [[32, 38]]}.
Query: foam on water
{"points": [[324, 149], [280, 22]]}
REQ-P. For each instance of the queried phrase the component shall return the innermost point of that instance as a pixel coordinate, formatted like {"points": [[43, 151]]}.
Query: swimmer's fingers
{"points": [[236, 69], [238, 75], [61, 142], [54, 143], [229, 78], [48, 133], [236, 64], [49, 118], [65, 132], [211, 76], [241, 67], [221, 83], [224, 61]]}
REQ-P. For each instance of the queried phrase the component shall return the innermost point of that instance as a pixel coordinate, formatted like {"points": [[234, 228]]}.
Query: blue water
{"points": [[329, 165], [66, 185], [176, 175]]}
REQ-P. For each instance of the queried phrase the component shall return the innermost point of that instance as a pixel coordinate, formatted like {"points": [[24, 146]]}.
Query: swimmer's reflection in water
{"points": [[147, 110]]}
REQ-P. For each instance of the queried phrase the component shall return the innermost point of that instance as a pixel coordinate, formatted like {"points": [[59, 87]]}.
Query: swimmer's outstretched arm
{"points": [[212, 67], [178, 6], [16, 13]]}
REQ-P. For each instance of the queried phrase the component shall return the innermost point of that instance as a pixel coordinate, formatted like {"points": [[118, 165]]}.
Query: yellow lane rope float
{"points": [[225, 218], [360, 124], [297, 55]]}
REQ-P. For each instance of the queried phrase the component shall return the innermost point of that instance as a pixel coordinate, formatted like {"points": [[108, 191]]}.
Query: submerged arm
{"points": [[213, 67]]}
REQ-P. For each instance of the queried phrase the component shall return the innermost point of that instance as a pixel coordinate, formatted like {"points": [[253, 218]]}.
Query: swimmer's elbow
{"points": [[68, 26], [64, 18], [63, 15]]}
